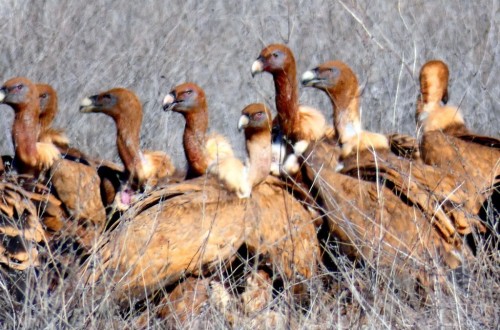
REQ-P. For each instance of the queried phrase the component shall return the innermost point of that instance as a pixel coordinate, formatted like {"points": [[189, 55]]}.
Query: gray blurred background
{"points": [[83, 48]]}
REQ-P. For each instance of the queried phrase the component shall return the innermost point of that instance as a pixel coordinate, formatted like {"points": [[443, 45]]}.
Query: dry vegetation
{"points": [[82, 48]]}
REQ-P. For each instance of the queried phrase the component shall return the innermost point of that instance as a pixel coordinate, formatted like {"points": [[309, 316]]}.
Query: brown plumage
{"points": [[68, 179], [308, 124], [48, 111], [238, 177], [29, 214], [143, 169], [31, 157], [107, 171], [402, 205], [300, 124], [185, 301], [446, 142], [369, 221], [202, 150], [367, 154], [196, 226]]}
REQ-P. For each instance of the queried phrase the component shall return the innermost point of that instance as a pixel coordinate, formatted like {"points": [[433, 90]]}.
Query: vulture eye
{"points": [[275, 55], [258, 116], [335, 72], [43, 96], [189, 92], [19, 87], [106, 99]]}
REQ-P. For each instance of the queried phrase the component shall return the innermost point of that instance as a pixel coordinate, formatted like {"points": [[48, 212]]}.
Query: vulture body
{"points": [[142, 168], [403, 197], [299, 124], [75, 184], [202, 151], [196, 226], [48, 111], [29, 215], [445, 141], [31, 156], [367, 154]]}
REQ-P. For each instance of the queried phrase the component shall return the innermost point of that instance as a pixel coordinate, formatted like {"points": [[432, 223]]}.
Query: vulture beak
{"points": [[309, 78], [243, 122], [88, 104], [257, 66], [2, 95], [169, 102]]}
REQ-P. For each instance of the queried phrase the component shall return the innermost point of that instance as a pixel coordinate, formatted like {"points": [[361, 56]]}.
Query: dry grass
{"points": [[82, 48]]}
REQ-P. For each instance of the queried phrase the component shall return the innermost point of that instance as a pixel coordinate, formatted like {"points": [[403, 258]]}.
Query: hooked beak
{"points": [[243, 122], [169, 102], [257, 66], [88, 104], [309, 78], [2, 95]]}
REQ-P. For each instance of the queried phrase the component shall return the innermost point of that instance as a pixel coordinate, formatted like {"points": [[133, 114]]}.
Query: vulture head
{"points": [[275, 59], [255, 117], [48, 104], [18, 92], [434, 77], [336, 79], [185, 98], [116, 103]]}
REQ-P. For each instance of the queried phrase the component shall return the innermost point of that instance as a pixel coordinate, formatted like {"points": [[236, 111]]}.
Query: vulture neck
{"points": [[194, 139], [347, 123], [128, 144], [258, 145], [287, 102], [345, 115], [432, 90], [25, 132], [433, 117], [48, 115]]}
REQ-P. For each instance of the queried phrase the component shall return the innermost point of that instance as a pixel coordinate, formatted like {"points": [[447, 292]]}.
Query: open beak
{"points": [[169, 102], [88, 104], [257, 67], [243, 122]]}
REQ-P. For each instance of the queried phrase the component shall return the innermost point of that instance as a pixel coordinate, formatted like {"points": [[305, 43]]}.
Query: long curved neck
{"points": [[345, 115], [128, 144], [194, 140], [25, 130], [287, 102], [433, 89], [258, 145], [48, 115]]}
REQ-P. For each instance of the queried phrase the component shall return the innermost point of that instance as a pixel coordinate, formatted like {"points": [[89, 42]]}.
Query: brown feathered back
{"points": [[196, 226]]}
